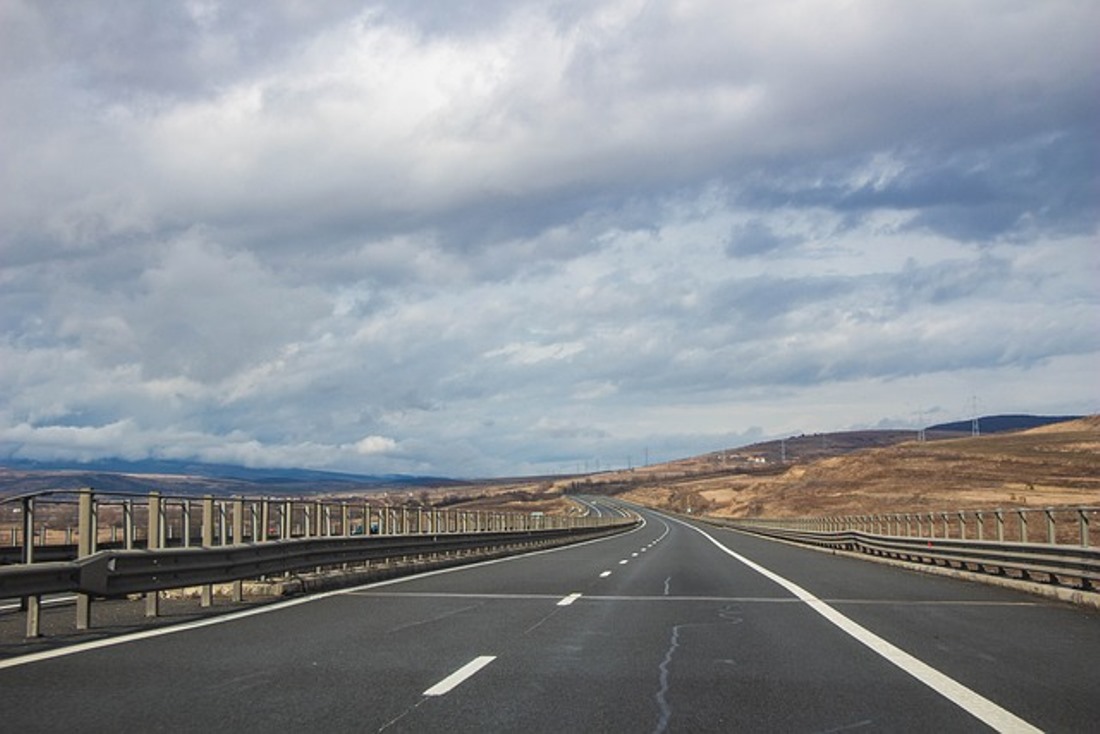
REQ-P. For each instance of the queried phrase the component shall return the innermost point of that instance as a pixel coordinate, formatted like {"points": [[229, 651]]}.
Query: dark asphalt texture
{"points": [[681, 637]]}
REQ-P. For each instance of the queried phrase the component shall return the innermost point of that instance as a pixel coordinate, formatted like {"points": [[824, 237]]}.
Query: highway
{"points": [[671, 627]]}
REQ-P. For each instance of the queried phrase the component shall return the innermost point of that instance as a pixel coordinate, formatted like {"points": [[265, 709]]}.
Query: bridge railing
{"points": [[100, 544], [1056, 546], [1074, 525]]}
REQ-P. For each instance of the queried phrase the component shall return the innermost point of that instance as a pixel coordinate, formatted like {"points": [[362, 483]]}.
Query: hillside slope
{"points": [[1057, 464]]}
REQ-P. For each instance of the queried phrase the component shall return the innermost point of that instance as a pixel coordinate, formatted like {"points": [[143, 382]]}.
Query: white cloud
{"points": [[516, 236], [527, 353], [372, 445]]}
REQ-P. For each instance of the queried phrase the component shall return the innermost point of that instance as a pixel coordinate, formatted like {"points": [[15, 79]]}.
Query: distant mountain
{"points": [[1003, 423], [189, 477], [217, 471]]}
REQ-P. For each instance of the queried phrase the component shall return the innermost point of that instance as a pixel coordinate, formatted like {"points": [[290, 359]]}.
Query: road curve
{"points": [[672, 627]]}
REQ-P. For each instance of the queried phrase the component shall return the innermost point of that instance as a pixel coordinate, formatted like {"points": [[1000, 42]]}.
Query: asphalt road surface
{"points": [[671, 627]]}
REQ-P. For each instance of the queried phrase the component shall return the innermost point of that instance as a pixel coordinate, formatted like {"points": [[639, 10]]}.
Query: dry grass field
{"points": [[837, 474], [1055, 465]]}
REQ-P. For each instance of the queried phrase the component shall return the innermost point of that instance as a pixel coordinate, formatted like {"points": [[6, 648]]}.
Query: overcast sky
{"points": [[507, 237]]}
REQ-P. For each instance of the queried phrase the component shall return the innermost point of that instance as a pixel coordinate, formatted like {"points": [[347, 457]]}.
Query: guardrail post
{"points": [[999, 514], [962, 526], [981, 525], [1023, 525], [223, 530], [265, 519], [85, 528], [207, 595], [222, 522], [185, 522], [32, 603], [94, 538], [255, 514], [1083, 525], [152, 598], [128, 524], [1052, 537], [238, 539]]}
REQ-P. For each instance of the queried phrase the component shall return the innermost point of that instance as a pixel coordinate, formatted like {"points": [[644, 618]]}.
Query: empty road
{"points": [[671, 627]]}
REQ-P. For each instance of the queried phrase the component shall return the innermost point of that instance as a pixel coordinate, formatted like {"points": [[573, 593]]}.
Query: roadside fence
{"points": [[1054, 546], [111, 544]]}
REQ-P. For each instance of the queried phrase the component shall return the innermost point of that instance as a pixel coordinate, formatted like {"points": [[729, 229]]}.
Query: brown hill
{"points": [[1049, 466]]}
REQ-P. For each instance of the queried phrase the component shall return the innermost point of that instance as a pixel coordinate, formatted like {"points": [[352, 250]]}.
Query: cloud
{"points": [[530, 353], [516, 236], [375, 445]]}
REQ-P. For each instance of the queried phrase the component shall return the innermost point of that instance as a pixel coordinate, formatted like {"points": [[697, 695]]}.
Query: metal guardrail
{"points": [[52, 522], [119, 573], [1076, 566], [1071, 525], [225, 550]]}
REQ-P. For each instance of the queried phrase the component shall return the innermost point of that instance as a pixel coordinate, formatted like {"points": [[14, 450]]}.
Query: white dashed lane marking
{"points": [[569, 600], [454, 679]]}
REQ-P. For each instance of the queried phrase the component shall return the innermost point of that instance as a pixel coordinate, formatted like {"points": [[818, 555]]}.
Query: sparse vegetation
{"points": [[1049, 466]]}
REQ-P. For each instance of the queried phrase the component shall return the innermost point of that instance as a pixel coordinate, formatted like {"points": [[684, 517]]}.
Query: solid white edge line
{"points": [[973, 703], [454, 679], [80, 647]]}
